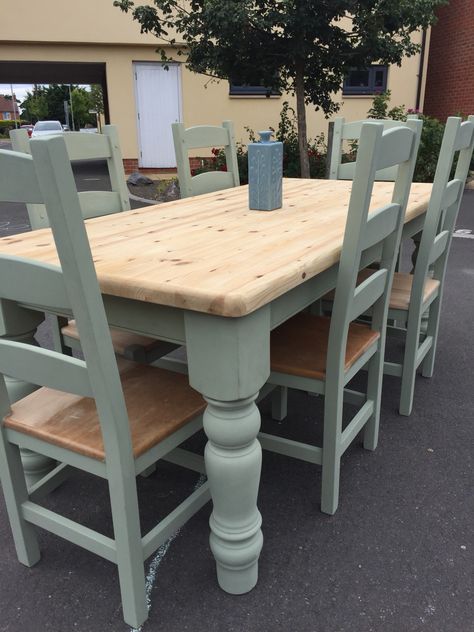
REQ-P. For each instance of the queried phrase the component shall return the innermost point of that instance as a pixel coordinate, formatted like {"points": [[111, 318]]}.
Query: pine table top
{"points": [[212, 254]]}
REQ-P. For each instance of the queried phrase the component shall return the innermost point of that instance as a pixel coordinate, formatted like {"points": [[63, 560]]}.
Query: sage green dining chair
{"points": [[415, 302], [320, 354], [345, 132], [111, 420], [104, 146], [200, 136]]}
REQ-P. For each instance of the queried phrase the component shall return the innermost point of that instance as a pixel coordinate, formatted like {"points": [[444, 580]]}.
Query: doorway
{"points": [[158, 99]]}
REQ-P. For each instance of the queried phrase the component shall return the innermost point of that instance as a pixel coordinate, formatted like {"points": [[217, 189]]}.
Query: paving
{"points": [[398, 556]]}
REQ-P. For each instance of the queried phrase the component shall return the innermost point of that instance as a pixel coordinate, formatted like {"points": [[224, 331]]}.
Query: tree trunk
{"points": [[301, 116]]}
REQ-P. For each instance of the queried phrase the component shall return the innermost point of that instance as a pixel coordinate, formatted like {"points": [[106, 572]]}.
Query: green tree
{"points": [[97, 98], [304, 47], [35, 105], [82, 103]]}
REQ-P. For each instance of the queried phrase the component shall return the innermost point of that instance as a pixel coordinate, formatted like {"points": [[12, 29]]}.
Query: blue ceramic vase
{"points": [[265, 173]]}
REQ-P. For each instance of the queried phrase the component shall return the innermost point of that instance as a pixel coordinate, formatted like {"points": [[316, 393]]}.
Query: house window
{"points": [[237, 89], [7, 116], [366, 80]]}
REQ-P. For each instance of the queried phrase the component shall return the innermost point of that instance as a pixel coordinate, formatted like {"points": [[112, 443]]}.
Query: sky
{"points": [[20, 89]]}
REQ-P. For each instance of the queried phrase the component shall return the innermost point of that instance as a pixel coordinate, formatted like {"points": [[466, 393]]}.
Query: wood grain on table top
{"points": [[211, 253]]}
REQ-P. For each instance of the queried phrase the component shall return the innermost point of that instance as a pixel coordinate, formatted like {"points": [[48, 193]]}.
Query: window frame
{"points": [[246, 90], [371, 88]]}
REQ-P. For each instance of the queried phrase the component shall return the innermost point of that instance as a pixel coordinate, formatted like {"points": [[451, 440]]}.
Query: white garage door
{"points": [[158, 98]]}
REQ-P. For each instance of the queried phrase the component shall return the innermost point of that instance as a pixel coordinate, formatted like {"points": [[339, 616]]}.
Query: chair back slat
{"points": [[378, 233], [84, 146], [99, 203], [380, 224], [367, 293], [212, 181], [443, 208], [452, 193], [19, 182], [440, 244], [42, 283], [201, 136], [44, 368], [346, 171]]}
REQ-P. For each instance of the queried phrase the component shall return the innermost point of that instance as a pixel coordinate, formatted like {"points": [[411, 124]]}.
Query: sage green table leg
{"points": [[229, 361], [17, 323]]}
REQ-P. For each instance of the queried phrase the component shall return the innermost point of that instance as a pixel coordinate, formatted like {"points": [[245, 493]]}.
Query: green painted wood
{"points": [[69, 530], [433, 256], [49, 180], [379, 233], [205, 136], [342, 131], [175, 520], [42, 283], [81, 146], [44, 367]]}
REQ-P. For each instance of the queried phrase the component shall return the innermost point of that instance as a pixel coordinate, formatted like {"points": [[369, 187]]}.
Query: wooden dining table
{"points": [[209, 273]]}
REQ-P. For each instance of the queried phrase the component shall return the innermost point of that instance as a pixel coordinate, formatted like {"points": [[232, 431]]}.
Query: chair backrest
{"points": [[344, 132], [377, 233], [82, 146], [46, 177], [443, 208], [205, 136]]}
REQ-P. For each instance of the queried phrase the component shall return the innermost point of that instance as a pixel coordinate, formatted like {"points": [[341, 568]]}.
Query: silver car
{"points": [[47, 128]]}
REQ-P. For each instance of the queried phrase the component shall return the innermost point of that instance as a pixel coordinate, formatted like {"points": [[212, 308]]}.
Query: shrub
{"points": [[431, 134], [286, 133]]}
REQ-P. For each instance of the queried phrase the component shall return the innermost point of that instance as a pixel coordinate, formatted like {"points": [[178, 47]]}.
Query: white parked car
{"points": [[47, 128]]}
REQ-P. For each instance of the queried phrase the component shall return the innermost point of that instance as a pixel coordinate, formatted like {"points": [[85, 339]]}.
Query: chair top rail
{"points": [[397, 144], [205, 136], [464, 136], [82, 146], [18, 181], [352, 130]]}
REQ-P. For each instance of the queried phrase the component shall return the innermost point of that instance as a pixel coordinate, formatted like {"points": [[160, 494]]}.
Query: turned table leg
{"points": [[233, 462], [229, 361]]}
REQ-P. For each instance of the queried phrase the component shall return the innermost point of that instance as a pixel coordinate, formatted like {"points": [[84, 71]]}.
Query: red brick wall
{"points": [[130, 165], [450, 77]]}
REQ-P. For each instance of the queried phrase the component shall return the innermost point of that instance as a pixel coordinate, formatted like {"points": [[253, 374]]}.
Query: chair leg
{"points": [[124, 502], [331, 457], [57, 323], [374, 393], [280, 403], [15, 492], [409, 366], [427, 366]]}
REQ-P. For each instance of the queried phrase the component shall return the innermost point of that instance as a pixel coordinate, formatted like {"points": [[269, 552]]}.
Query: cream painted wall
{"points": [[87, 21], [203, 101]]}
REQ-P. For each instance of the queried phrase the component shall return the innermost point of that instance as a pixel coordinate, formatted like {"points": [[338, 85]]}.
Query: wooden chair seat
{"points": [[121, 340], [299, 346], [159, 402]]}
